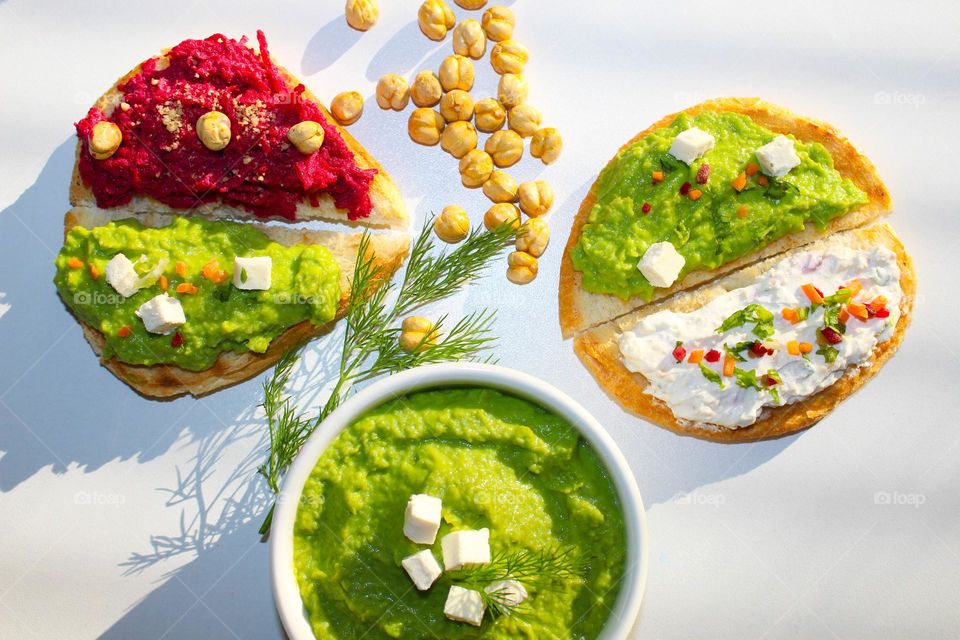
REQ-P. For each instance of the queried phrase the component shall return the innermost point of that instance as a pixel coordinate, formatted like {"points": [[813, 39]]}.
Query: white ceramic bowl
{"points": [[285, 589]]}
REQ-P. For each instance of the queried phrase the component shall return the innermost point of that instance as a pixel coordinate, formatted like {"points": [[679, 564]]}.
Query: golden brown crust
{"points": [[580, 309], [389, 209], [598, 350], [166, 381]]}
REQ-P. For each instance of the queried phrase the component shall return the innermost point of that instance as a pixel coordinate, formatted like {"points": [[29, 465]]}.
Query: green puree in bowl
{"points": [[707, 232], [496, 461]]}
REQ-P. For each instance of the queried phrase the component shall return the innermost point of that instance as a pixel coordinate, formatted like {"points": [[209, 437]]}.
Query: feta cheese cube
{"points": [[252, 274], [161, 314], [509, 592], [464, 605], [661, 264], [121, 275], [465, 547], [421, 521], [691, 144], [422, 568], [777, 157]]}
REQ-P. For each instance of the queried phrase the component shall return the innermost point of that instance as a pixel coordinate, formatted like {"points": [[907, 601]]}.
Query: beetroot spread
{"points": [[162, 157]]}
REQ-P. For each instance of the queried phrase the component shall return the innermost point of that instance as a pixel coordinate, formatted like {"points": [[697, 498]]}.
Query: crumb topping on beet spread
{"points": [[162, 157]]}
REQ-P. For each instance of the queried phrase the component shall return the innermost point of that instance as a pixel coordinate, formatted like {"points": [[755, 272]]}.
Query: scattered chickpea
{"points": [[347, 107], [416, 334], [475, 168], [104, 140], [546, 145], [393, 92], [536, 197], [524, 119], [469, 39], [533, 237], [512, 90], [456, 105], [452, 225], [521, 267], [471, 4], [458, 138], [435, 19], [502, 213], [426, 90], [306, 136], [425, 126], [456, 72], [500, 187], [213, 129], [505, 147], [509, 56], [362, 14], [489, 115], [498, 23]]}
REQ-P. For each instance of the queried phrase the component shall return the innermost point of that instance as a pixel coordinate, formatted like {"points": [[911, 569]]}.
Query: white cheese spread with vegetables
{"points": [[790, 333]]}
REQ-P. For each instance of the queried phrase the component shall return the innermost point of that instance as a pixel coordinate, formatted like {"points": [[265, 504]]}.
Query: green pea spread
{"points": [[496, 461], [708, 232], [219, 317]]}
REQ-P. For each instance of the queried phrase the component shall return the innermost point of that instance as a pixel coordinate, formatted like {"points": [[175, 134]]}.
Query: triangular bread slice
{"points": [[165, 381], [581, 309], [598, 350]]}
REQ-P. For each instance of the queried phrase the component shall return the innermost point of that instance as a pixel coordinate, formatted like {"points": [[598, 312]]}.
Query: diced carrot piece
{"points": [[94, 272], [844, 316], [181, 269], [878, 303], [186, 287], [752, 168], [790, 315], [695, 356], [739, 182], [762, 181], [729, 364], [793, 348], [212, 272], [858, 310], [855, 286], [742, 211], [657, 176], [124, 331], [163, 282], [806, 347], [74, 263], [812, 294], [695, 194]]}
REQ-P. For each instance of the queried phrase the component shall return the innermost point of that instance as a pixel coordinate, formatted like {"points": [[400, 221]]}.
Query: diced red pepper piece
{"points": [[703, 173], [883, 313], [679, 353], [712, 356], [831, 336], [176, 340], [645, 208], [685, 188]]}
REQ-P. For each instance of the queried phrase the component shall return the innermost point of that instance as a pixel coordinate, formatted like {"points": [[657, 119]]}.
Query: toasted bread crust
{"points": [[598, 350], [581, 309]]}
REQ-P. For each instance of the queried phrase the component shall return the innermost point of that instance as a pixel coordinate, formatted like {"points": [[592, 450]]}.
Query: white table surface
{"points": [[124, 517]]}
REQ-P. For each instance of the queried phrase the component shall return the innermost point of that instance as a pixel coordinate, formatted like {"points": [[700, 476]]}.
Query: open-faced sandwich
{"points": [[732, 192], [175, 288]]}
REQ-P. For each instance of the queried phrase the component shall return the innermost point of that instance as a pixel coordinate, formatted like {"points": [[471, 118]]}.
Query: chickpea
{"points": [[546, 145], [469, 39], [362, 14], [425, 126], [426, 90], [505, 147], [456, 72], [533, 237], [104, 140], [435, 19], [347, 107], [416, 334], [475, 168], [393, 92], [512, 90], [521, 267], [500, 214], [509, 56], [489, 115], [452, 225], [213, 129], [536, 197], [458, 138], [500, 187], [498, 23], [524, 119], [456, 105], [306, 136], [471, 4]]}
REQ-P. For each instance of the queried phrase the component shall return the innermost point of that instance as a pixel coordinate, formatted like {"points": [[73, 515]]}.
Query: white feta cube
{"points": [[691, 144], [422, 568], [121, 275], [464, 605], [421, 521], [161, 314], [508, 592], [777, 157], [661, 264], [252, 274], [461, 548]]}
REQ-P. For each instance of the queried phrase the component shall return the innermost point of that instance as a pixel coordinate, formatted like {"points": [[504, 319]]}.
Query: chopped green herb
{"points": [[842, 296], [831, 318], [829, 353], [711, 375], [761, 317], [747, 379], [803, 313], [668, 163], [779, 188]]}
